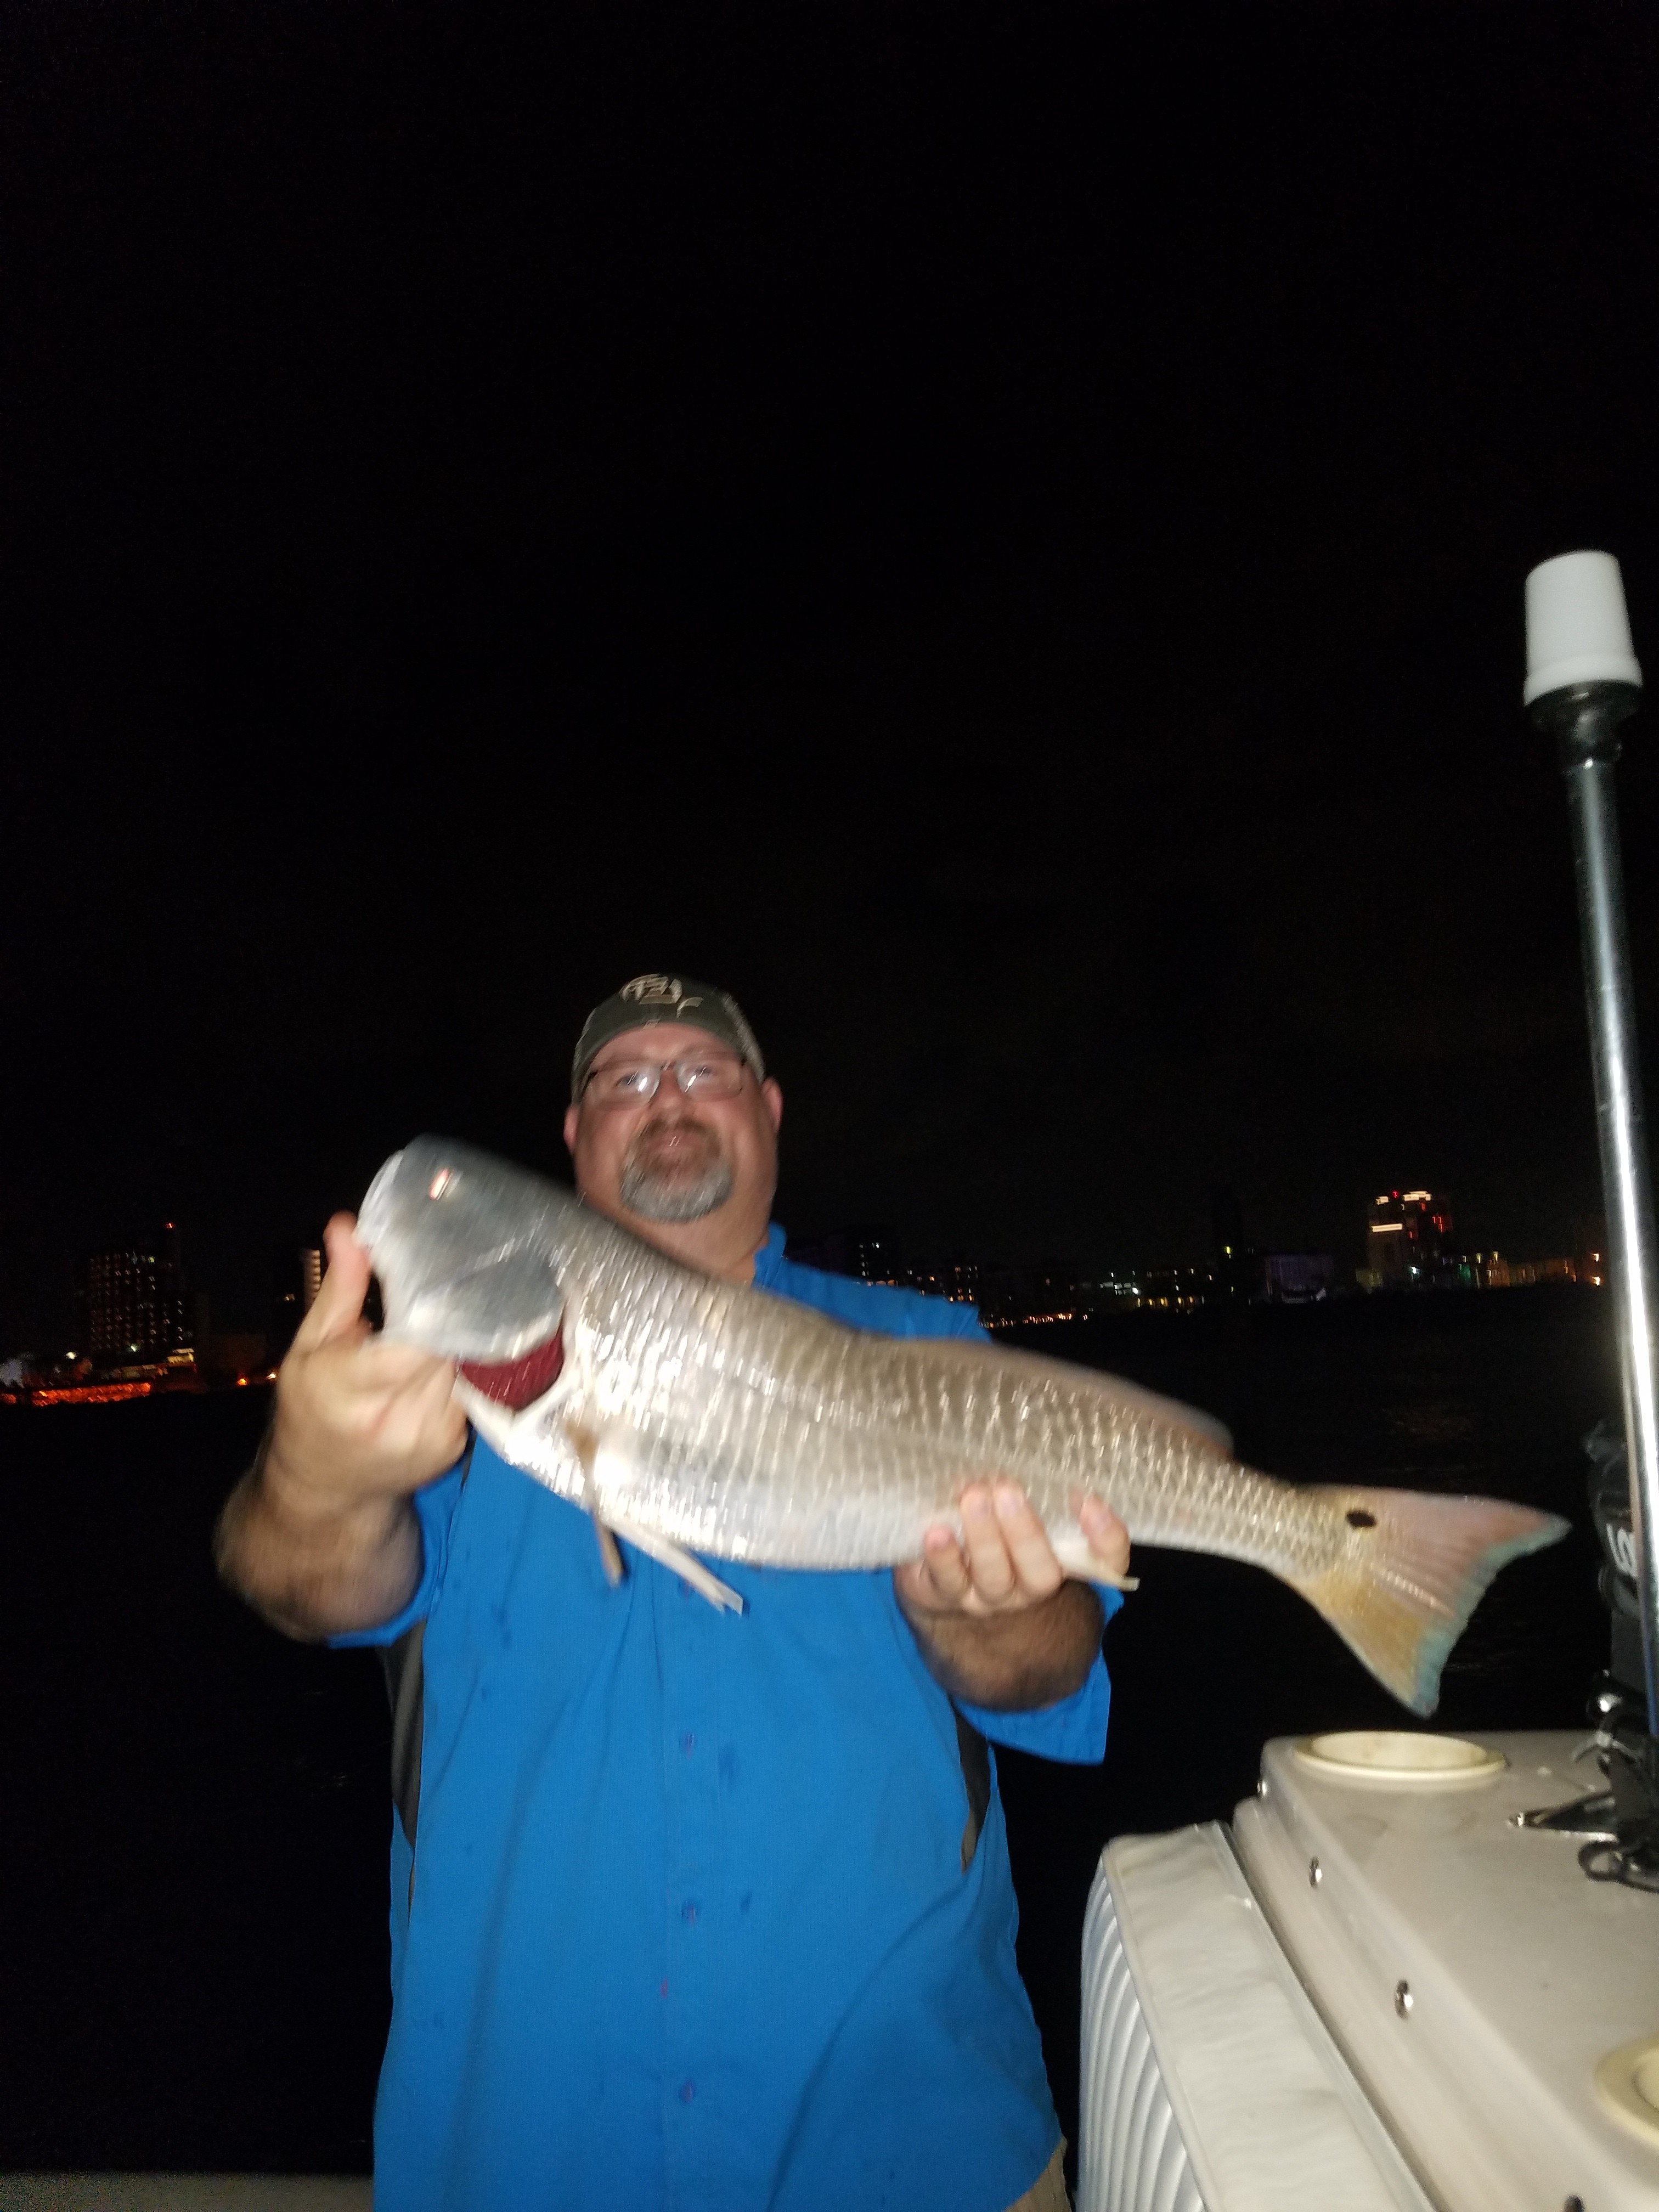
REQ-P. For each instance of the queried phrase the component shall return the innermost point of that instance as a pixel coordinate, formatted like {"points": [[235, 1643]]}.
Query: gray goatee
{"points": [[672, 1190]]}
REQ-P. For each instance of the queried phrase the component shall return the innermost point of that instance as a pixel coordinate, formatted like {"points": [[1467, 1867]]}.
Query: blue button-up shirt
{"points": [[686, 1924]]}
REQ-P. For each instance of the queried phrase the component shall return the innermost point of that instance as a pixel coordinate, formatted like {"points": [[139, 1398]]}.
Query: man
{"points": [[691, 1910]]}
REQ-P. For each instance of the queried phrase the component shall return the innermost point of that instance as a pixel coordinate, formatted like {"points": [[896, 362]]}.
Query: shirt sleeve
{"points": [[962, 1320], [1072, 1732], [434, 1511]]}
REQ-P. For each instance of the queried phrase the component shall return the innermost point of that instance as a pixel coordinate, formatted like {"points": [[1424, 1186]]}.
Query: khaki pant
{"points": [[1047, 2192]]}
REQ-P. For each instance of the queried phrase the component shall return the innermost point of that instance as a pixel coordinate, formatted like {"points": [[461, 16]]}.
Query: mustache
{"points": [[675, 1170], [673, 1137]]}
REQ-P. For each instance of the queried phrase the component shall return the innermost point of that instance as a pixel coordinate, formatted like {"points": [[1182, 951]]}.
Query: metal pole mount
{"points": [[1585, 720]]}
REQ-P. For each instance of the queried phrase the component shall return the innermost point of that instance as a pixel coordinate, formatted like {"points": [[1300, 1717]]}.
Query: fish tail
{"points": [[1412, 1570]]}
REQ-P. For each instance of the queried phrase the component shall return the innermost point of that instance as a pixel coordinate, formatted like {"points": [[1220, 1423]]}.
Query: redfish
{"points": [[692, 1416]]}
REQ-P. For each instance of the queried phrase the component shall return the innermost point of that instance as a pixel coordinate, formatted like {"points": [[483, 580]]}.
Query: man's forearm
{"points": [[1015, 1661], [312, 1566]]}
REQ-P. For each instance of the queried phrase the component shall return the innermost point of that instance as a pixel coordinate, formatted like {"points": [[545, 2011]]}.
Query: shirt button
{"points": [[688, 2090], [688, 1912]]}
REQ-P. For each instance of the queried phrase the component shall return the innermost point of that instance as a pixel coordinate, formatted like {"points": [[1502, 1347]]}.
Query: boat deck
{"points": [[1476, 1979]]}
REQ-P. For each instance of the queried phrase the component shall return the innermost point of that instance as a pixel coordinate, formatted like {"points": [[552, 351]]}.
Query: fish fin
{"points": [[1410, 1574], [610, 1558], [683, 1563], [1076, 1555], [1202, 1425], [585, 1445], [612, 1447]]}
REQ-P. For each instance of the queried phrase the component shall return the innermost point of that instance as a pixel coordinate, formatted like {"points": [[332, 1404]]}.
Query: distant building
{"points": [[960, 1280], [1178, 1289], [872, 1254], [1295, 1278], [1501, 1274], [1406, 1239], [1476, 1271], [296, 1276], [1235, 1262], [1050, 1290], [131, 1301], [1409, 1249], [1042, 1291]]}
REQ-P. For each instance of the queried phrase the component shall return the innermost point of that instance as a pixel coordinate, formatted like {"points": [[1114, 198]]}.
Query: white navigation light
{"points": [[1577, 630]]}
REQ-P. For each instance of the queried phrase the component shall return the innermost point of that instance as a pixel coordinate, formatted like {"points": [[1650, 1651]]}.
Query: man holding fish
{"points": [[707, 1912]]}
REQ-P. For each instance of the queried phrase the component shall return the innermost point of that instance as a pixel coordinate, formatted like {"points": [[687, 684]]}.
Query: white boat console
{"points": [[1380, 1992]]}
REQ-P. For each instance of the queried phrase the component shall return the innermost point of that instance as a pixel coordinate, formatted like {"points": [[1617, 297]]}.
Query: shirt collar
{"points": [[769, 1258]]}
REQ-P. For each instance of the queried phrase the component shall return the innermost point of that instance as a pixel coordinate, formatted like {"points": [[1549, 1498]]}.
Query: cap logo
{"points": [[658, 991], [650, 999]]}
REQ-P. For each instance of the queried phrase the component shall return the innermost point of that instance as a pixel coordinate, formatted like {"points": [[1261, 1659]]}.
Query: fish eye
{"points": [[445, 1180]]}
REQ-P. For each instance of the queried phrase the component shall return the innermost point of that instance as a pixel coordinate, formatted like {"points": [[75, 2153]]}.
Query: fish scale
{"points": [[699, 1416]]}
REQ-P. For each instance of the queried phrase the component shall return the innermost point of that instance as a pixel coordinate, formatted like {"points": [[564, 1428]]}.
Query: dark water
{"points": [[194, 1818]]}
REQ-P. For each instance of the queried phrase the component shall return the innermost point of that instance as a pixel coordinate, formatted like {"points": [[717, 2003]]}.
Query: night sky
{"points": [[996, 533]]}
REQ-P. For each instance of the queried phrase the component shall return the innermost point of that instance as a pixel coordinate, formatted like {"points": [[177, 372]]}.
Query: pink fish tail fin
{"points": [[1412, 1571]]}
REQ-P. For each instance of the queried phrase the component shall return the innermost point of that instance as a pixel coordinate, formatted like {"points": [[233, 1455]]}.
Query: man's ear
{"points": [[773, 1094], [572, 1116]]}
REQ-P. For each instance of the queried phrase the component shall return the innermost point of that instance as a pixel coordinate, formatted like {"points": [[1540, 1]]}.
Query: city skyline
{"points": [[1019, 582], [134, 1311]]}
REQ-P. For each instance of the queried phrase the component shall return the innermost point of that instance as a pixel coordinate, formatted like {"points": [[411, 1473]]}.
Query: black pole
{"points": [[1584, 719]]}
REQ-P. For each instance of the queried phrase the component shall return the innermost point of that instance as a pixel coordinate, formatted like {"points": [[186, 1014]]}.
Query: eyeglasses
{"points": [[635, 1083]]}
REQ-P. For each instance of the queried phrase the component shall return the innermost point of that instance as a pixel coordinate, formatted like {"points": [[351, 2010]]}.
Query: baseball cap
{"points": [[650, 999]]}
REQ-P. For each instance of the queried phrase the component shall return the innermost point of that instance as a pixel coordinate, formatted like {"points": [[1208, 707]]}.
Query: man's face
{"points": [[675, 1158]]}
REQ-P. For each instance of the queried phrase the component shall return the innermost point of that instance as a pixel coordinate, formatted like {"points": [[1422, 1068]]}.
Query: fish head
{"points": [[470, 1254]]}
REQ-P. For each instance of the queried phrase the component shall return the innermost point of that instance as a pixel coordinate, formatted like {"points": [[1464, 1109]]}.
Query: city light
{"points": [[90, 1394], [1422, 1258], [1410, 1250]]}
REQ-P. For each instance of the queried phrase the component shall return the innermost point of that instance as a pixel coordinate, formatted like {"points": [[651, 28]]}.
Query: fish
{"points": [[698, 1419]]}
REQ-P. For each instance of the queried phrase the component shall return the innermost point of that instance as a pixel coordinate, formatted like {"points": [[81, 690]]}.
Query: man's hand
{"points": [[321, 1535], [359, 1419], [1007, 1564], [999, 1624]]}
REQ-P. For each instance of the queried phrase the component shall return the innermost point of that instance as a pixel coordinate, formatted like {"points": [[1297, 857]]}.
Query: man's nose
{"points": [[671, 1102]]}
